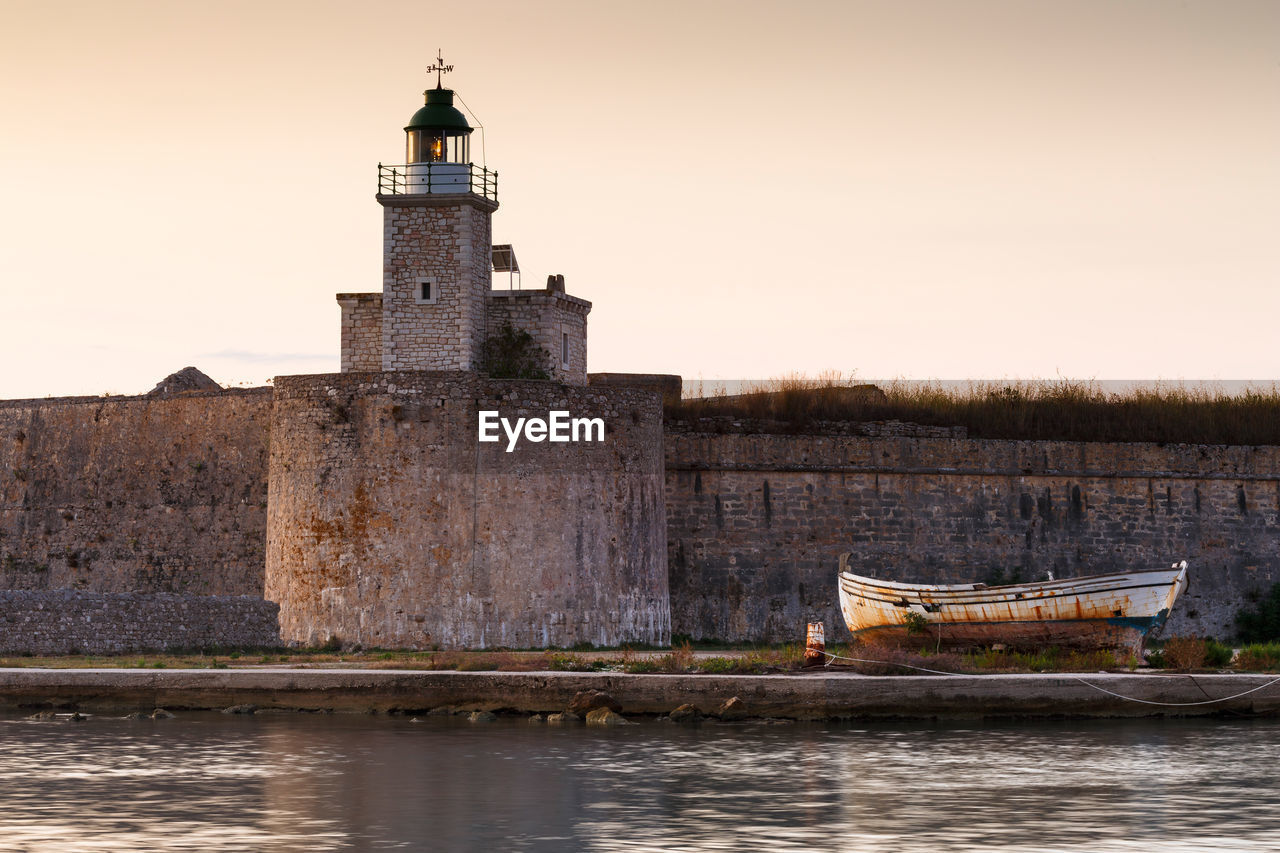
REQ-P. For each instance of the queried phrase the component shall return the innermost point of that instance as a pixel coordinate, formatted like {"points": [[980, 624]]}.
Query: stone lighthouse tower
{"points": [[436, 242], [436, 211], [437, 307]]}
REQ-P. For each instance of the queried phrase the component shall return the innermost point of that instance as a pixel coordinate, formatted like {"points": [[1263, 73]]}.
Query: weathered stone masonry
{"points": [[756, 522], [446, 239], [554, 319], [168, 495], [67, 621], [361, 331], [391, 525], [135, 494]]}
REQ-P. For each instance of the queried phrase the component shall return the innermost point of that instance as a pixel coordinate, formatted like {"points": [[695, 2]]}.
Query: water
{"points": [[210, 782]]}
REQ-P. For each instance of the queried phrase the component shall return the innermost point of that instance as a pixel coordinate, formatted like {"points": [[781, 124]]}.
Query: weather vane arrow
{"points": [[439, 68]]}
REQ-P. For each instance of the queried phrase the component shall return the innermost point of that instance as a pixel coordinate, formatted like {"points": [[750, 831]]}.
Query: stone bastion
{"points": [[390, 524]]}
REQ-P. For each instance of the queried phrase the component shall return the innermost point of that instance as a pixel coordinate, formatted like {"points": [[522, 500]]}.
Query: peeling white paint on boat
{"points": [[1117, 610]]}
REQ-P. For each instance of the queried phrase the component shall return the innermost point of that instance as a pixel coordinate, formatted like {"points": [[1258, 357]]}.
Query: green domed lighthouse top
{"points": [[439, 113], [437, 151]]}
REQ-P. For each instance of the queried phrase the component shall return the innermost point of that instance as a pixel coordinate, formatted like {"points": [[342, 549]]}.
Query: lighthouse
{"points": [[438, 308], [437, 148], [392, 518], [436, 226]]}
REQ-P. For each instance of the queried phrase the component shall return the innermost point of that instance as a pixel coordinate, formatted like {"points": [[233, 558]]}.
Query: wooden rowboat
{"points": [[1116, 611]]}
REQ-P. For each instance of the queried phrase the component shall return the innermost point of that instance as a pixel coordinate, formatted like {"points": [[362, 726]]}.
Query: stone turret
{"points": [[436, 244]]}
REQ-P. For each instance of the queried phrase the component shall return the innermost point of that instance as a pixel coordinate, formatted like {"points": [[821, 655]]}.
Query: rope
{"points": [[1082, 681], [1175, 704], [893, 663]]}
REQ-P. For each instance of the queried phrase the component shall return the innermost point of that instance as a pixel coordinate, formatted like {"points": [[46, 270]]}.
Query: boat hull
{"points": [[1116, 611]]}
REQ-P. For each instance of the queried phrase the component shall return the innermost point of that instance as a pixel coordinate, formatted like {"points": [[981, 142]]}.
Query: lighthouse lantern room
{"points": [[438, 133], [438, 151], [438, 147]]}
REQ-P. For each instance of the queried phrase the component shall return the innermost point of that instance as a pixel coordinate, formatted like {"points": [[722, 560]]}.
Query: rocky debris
{"points": [[73, 717], [606, 717], [137, 715], [186, 380], [563, 717], [732, 709], [161, 714], [537, 718], [481, 717], [686, 713], [585, 701], [241, 709]]}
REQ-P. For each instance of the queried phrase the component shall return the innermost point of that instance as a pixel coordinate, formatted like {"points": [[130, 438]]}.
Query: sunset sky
{"points": [[948, 189]]}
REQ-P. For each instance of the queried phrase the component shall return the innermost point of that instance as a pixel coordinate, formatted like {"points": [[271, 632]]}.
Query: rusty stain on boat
{"points": [[1116, 611]]}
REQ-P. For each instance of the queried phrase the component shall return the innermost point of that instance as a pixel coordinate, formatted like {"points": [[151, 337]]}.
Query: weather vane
{"points": [[439, 68]]}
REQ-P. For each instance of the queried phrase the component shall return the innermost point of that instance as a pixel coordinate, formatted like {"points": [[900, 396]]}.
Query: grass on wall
{"points": [[1063, 410]]}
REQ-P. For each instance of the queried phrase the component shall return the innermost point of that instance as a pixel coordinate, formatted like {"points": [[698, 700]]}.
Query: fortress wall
{"points": [[667, 385], [756, 522], [65, 621], [391, 525], [135, 494]]}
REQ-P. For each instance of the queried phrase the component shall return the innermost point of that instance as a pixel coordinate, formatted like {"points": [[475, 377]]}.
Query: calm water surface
{"points": [[282, 783]]}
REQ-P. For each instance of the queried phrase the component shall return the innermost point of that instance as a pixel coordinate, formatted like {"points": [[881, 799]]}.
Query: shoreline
{"points": [[820, 695]]}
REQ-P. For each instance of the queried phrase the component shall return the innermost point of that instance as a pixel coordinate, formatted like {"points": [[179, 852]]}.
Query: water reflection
{"points": [[283, 783]]}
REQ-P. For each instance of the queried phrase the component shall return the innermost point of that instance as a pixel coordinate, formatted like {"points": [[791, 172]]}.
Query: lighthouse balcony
{"points": [[438, 178]]}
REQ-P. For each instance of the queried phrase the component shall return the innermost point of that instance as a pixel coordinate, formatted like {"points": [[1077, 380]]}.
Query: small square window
{"points": [[425, 291]]}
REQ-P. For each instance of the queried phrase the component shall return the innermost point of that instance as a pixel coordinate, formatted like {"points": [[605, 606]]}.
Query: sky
{"points": [[924, 190]]}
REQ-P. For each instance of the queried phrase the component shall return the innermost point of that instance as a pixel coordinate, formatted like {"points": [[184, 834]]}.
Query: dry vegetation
{"points": [[876, 659], [1259, 657], [1064, 410]]}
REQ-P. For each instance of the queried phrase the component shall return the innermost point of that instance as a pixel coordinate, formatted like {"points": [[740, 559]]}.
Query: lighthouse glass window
{"points": [[427, 146]]}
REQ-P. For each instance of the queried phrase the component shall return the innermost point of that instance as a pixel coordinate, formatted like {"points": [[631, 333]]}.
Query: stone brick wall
{"points": [[666, 385], [757, 522], [135, 494], [361, 331], [390, 524], [56, 622], [548, 315], [448, 239]]}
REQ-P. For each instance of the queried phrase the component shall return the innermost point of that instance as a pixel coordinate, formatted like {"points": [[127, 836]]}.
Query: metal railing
{"points": [[438, 179]]}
